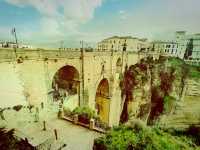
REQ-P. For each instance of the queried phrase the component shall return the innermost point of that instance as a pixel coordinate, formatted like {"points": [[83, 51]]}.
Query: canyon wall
{"points": [[165, 92]]}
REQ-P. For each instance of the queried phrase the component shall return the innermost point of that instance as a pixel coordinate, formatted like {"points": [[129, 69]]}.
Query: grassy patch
{"points": [[175, 61], [168, 103], [194, 72]]}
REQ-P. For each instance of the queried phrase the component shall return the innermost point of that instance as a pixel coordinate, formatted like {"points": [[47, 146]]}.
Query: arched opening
{"points": [[118, 65], [103, 100], [66, 85]]}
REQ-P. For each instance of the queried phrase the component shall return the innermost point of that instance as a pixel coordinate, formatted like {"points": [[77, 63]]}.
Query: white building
{"points": [[8, 45], [188, 45], [117, 43], [165, 48], [24, 46]]}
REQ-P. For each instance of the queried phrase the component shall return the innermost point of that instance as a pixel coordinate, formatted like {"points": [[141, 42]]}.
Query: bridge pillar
{"points": [[82, 95], [115, 101]]}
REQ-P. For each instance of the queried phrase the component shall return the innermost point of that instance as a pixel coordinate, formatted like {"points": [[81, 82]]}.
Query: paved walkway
{"points": [[75, 137]]}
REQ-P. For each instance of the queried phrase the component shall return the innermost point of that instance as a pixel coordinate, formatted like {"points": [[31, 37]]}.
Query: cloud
{"points": [[80, 10], [121, 12], [155, 19], [72, 10], [166, 16], [46, 7], [123, 15], [59, 18], [74, 19]]}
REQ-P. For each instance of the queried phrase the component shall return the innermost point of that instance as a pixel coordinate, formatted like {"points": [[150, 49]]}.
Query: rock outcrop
{"points": [[165, 92]]}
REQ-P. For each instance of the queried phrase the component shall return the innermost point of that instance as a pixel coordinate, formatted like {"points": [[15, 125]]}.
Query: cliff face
{"points": [[135, 88], [185, 91], [165, 92], [187, 109]]}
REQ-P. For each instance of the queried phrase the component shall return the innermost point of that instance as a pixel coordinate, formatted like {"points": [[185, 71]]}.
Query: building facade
{"points": [[8, 45], [165, 48], [24, 46], [127, 43], [188, 45]]}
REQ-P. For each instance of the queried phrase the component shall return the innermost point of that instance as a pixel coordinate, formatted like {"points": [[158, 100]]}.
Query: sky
{"points": [[48, 23]]}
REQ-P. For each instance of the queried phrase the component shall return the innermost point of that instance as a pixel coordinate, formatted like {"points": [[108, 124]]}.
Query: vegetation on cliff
{"points": [[168, 79], [139, 137], [169, 76], [135, 75]]}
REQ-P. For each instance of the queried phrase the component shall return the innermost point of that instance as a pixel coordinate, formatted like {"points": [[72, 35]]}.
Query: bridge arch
{"points": [[66, 84], [102, 100]]}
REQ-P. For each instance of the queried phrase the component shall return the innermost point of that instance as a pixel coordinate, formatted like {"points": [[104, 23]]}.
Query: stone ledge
{"points": [[99, 130]]}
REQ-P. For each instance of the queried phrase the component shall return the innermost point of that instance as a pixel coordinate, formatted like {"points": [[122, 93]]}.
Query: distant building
{"points": [[127, 43], [188, 45], [165, 48], [23, 46], [8, 45], [185, 46]]}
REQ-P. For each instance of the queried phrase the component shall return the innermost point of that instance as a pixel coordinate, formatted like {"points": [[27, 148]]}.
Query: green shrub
{"points": [[124, 137], [175, 61], [118, 138], [85, 111]]}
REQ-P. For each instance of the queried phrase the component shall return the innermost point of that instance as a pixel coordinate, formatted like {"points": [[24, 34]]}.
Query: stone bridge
{"points": [[83, 78]]}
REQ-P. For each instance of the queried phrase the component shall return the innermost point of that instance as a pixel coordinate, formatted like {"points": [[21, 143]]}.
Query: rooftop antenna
{"points": [[15, 35], [13, 31], [82, 66]]}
